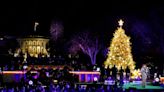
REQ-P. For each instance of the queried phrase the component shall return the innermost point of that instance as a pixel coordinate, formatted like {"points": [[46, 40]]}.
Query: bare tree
{"points": [[86, 43]]}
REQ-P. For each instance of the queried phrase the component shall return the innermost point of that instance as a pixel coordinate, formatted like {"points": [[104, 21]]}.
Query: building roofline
{"points": [[34, 36]]}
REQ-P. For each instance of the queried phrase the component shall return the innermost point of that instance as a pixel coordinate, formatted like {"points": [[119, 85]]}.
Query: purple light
{"points": [[95, 79]]}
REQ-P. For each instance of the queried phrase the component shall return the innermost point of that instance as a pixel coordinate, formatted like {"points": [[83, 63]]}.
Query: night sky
{"points": [[18, 17], [143, 20]]}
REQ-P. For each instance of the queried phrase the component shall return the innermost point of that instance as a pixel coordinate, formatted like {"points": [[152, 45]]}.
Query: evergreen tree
{"points": [[120, 50]]}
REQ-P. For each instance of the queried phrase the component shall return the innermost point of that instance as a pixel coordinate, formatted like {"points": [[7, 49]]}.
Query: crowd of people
{"points": [[49, 80], [61, 88], [60, 80]]}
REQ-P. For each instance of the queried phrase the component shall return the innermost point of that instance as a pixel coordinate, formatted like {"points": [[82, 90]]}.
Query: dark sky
{"points": [[18, 17]]}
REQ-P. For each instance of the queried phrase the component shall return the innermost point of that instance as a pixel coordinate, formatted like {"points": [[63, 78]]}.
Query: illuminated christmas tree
{"points": [[120, 50]]}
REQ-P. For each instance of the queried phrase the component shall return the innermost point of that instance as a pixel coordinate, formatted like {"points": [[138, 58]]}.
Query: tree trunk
{"points": [[93, 59]]}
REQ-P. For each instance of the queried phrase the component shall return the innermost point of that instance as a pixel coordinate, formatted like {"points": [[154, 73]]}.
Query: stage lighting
{"points": [[157, 80], [47, 74], [30, 82], [95, 79], [55, 81], [25, 67], [98, 69], [109, 82], [44, 86], [83, 86], [68, 86], [125, 81], [137, 82]]}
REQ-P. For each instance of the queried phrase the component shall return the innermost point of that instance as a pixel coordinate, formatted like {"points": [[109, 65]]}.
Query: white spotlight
{"points": [[98, 69], [95, 79], [30, 82], [156, 79]]}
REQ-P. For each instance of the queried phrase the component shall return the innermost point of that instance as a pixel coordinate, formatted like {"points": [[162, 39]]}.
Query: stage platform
{"points": [[131, 87], [138, 87]]}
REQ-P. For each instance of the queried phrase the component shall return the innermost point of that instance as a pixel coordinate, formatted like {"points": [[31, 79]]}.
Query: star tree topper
{"points": [[120, 23]]}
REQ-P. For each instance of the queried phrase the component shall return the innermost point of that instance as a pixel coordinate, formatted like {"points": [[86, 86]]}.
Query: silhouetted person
{"points": [[114, 72], [108, 70], [102, 70], [127, 72], [121, 76]]}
